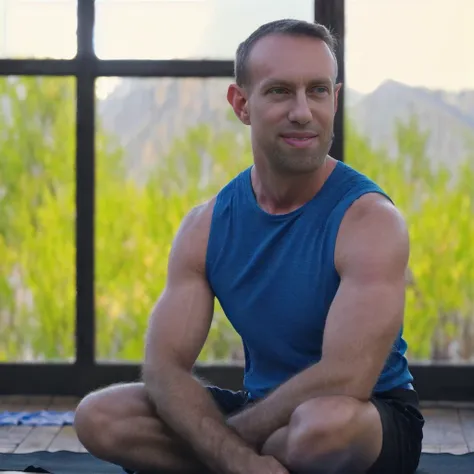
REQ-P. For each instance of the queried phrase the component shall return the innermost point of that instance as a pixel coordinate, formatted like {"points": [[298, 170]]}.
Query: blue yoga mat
{"points": [[62, 462], [37, 418]]}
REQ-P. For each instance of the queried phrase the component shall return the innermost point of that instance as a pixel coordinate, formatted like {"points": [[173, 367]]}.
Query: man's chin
{"points": [[301, 166]]}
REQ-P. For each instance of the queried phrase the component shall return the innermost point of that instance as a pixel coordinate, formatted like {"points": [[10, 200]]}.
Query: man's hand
{"points": [[244, 430], [249, 436], [266, 465]]}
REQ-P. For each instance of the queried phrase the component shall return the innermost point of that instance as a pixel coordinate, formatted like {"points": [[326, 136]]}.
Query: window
{"points": [[48, 153], [184, 29], [163, 146], [51, 27], [410, 127], [37, 214]]}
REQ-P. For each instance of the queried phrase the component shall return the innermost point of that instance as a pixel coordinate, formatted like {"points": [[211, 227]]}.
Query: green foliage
{"points": [[37, 218], [439, 210], [135, 224], [135, 229]]}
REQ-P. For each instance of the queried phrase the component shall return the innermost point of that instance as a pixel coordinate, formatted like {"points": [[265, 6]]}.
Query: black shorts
{"points": [[402, 424]]}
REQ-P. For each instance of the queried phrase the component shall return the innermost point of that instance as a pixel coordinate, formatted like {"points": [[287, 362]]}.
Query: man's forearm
{"points": [[259, 421], [185, 406]]}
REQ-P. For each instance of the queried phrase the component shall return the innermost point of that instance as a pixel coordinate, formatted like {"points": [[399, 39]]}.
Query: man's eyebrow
{"points": [[276, 80]]}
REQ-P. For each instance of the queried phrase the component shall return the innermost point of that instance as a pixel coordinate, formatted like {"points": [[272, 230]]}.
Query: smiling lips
{"points": [[299, 139]]}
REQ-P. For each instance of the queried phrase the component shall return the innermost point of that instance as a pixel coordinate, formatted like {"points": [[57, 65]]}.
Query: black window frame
{"points": [[434, 381]]}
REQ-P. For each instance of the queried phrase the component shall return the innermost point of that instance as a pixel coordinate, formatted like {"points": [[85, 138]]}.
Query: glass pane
{"points": [[185, 29], [410, 127], [38, 29], [37, 212], [163, 146]]}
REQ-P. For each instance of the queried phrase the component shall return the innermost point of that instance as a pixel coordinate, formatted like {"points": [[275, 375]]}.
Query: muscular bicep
{"points": [[367, 312], [181, 319], [179, 323]]}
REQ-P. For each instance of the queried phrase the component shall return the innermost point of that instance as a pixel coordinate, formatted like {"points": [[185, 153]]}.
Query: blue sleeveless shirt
{"points": [[275, 278]]}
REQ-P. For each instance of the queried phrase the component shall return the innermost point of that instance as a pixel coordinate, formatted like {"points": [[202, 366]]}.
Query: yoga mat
{"points": [[59, 462], [36, 418], [65, 462], [446, 464]]}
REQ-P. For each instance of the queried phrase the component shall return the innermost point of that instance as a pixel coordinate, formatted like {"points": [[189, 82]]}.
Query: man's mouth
{"points": [[299, 141]]}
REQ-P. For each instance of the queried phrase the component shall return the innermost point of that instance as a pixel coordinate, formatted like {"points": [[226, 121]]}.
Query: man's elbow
{"points": [[364, 378], [160, 369], [359, 387], [352, 382], [156, 372]]}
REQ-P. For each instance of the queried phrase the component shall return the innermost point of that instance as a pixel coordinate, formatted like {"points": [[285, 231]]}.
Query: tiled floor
{"points": [[23, 439], [449, 428]]}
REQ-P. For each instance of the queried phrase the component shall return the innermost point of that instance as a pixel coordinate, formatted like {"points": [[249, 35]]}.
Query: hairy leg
{"points": [[329, 435], [119, 424]]}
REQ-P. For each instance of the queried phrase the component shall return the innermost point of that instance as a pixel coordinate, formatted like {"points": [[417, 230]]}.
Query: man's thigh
{"points": [[402, 425]]}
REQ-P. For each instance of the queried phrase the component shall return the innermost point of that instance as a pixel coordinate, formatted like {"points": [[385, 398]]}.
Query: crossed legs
{"points": [[329, 435], [325, 435], [118, 424]]}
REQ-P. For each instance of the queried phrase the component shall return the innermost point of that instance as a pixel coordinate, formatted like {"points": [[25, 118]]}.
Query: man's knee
{"points": [[91, 422], [99, 415], [322, 431]]}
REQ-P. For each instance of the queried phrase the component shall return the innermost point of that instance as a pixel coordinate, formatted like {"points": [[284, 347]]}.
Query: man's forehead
{"points": [[288, 57]]}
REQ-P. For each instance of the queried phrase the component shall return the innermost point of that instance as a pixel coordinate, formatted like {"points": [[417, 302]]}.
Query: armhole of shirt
{"points": [[213, 241], [336, 217]]}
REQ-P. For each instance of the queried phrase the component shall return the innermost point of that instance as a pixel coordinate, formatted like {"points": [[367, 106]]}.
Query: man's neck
{"points": [[281, 194]]}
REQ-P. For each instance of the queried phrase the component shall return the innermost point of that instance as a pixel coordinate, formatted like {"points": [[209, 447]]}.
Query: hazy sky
{"points": [[418, 42]]}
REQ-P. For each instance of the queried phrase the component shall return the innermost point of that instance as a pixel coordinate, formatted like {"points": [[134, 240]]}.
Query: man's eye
{"points": [[277, 90], [321, 89]]}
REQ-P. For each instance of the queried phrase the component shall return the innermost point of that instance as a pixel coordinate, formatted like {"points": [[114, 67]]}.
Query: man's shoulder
{"points": [[373, 208], [195, 227], [373, 228], [190, 241], [198, 219]]}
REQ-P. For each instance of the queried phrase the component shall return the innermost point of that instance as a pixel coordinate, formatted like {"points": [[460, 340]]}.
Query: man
{"points": [[307, 258]]}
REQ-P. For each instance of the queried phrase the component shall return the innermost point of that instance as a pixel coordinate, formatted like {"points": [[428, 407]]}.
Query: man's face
{"points": [[290, 102]]}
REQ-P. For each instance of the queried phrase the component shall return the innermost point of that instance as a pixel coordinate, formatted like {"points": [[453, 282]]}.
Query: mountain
{"points": [[352, 97], [147, 115], [449, 117]]}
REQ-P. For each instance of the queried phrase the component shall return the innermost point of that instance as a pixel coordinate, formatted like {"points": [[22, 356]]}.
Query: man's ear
{"points": [[337, 88], [237, 98]]}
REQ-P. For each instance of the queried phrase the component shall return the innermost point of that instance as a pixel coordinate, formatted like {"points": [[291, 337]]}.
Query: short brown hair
{"points": [[288, 27]]}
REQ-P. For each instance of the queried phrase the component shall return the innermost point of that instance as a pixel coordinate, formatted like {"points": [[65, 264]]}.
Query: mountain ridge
{"points": [[146, 115]]}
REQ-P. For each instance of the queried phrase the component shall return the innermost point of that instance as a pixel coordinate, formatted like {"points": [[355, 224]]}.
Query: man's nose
{"points": [[300, 111]]}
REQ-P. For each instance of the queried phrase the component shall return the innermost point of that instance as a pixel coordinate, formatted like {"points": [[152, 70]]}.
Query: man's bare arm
{"points": [[178, 329], [362, 324]]}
